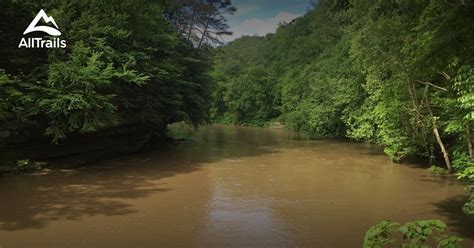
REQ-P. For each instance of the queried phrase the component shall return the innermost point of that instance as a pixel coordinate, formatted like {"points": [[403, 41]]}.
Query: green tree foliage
{"points": [[306, 78], [467, 174], [124, 64], [244, 90], [415, 235], [395, 73]]}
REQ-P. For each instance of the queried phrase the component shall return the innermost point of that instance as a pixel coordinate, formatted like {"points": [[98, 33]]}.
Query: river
{"points": [[232, 187]]}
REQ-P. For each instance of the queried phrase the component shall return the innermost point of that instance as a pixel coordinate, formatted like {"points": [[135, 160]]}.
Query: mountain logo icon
{"points": [[47, 19]]}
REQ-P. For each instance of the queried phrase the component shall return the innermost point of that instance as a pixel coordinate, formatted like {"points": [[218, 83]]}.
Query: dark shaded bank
{"points": [[110, 143], [80, 149]]}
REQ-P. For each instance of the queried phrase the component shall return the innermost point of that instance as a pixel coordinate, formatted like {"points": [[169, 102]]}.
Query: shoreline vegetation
{"points": [[398, 74], [129, 69]]}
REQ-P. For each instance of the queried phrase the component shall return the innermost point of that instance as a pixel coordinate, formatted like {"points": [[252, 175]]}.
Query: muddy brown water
{"points": [[232, 187]]}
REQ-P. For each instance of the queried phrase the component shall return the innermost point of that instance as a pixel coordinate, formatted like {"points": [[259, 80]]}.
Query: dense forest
{"points": [[134, 62], [127, 71], [398, 73], [395, 73]]}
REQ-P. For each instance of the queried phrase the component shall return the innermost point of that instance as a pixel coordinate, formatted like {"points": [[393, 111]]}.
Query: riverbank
{"points": [[77, 149]]}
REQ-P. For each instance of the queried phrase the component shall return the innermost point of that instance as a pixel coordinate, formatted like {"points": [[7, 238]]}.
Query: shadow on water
{"points": [[34, 201], [452, 209], [104, 189]]}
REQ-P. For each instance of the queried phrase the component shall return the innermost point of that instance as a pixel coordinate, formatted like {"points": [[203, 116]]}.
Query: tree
{"points": [[124, 64], [201, 21]]}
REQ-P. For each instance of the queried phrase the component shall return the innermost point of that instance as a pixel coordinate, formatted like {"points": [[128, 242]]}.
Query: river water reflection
{"points": [[232, 187]]}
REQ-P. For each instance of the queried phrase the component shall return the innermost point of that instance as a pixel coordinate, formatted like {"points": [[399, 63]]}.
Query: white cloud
{"points": [[260, 27]]}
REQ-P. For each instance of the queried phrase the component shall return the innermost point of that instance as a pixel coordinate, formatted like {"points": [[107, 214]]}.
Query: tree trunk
{"points": [[441, 145], [436, 131], [204, 32], [191, 24], [469, 142]]}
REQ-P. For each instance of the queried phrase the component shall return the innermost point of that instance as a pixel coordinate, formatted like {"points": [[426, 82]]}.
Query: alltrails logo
{"points": [[40, 42]]}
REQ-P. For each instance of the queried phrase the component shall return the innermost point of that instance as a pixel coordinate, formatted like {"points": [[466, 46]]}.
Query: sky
{"points": [[259, 17]]}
